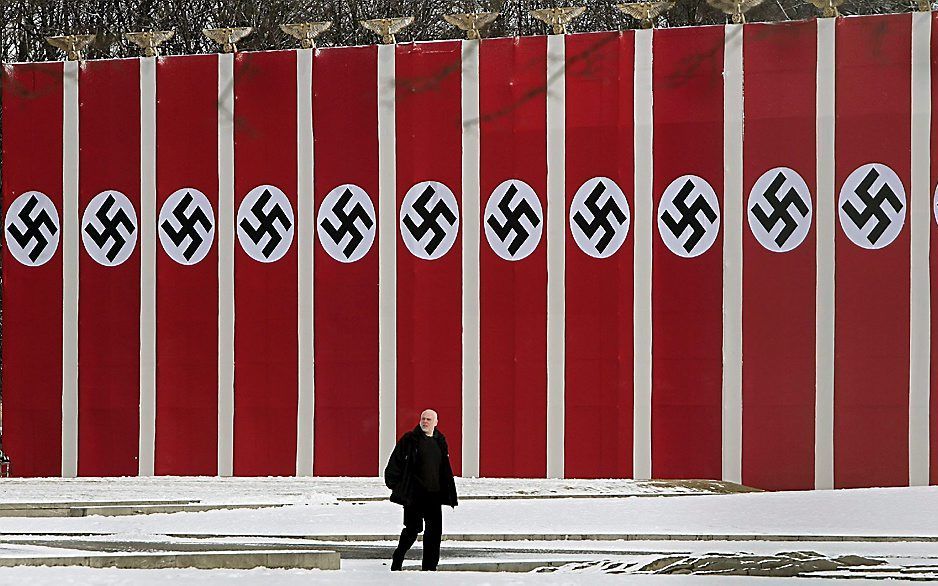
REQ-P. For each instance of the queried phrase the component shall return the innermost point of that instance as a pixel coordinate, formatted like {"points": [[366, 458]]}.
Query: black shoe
{"points": [[397, 564]]}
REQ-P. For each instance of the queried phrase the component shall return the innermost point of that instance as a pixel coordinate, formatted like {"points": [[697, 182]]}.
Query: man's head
{"points": [[428, 420]]}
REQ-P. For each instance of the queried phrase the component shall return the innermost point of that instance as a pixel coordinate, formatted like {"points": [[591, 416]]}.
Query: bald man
{"points": [[420, 478]]}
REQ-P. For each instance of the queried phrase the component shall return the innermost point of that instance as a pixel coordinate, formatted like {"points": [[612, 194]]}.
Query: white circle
{"points": [[265, 224], [515, 236], [32, 228], [109, 228], [689, 216], [782, 228], [186, 226], [429, 220], [346, 224], [599, 223], [867, 206]]}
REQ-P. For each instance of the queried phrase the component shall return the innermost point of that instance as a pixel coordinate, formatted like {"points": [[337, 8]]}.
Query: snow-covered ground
{"points": [[633, 527], [883, 511]]}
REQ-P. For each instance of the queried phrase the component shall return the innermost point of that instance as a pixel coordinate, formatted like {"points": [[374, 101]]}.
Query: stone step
{"points": [[596, 537], [114, 509], [68, 504], [232, 560], [681, 488], [521, 566], [548, 537]]}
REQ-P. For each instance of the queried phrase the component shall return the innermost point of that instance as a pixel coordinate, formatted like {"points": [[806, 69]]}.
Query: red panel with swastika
{"points": [[429, 291], [779, 287], [871, 339], [687, 319], [345, 127], [187, 295], [599, 143], [513, 297], [265, 292], [32, 295], [109, 296]]}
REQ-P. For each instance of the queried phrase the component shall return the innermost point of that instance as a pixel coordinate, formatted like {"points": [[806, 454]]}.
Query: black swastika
{"points": [[873, 206], [513, 220], [689, 216], [110, 228], [347, 223], [780, 209], [33, 229], [266, 223], [187, 224], [429, 219], [600, 217]]}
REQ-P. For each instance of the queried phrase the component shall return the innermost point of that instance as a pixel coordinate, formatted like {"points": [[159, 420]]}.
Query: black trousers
{"points": [[426, 511]]}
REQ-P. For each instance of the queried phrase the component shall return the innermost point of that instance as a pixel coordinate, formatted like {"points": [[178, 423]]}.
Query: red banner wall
{"points": [[513, 296], [345, 127], [32, 323], [687, 293], [780, 68], [871, 370], [109, 296], [429, 292], [266, 366], [599, 337], [187, 295], [871, 362]]}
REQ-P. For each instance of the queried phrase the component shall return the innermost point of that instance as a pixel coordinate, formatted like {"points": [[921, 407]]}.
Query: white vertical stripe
{"points": [[642, 224], [920, 224], [225, 231], [733, 253], [471, 240], [824, 207], [147, 438], [556, 214], [70, 269], [304, 241], [387, 258]]}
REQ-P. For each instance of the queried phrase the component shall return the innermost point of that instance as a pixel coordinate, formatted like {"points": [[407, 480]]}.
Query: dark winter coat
{"points": [[400, 475]]}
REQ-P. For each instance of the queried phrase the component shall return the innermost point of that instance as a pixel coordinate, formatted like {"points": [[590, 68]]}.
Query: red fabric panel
{"points": [[345, 123], [429, 292], [933, 252], [513, 298], [779, 288], [599, 337], [871, 370], [109, 297], [265, 293], [687, 293], [32, 296], [187, 324]]}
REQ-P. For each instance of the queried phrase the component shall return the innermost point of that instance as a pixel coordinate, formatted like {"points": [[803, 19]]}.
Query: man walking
{"points": [[421, 478]]}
